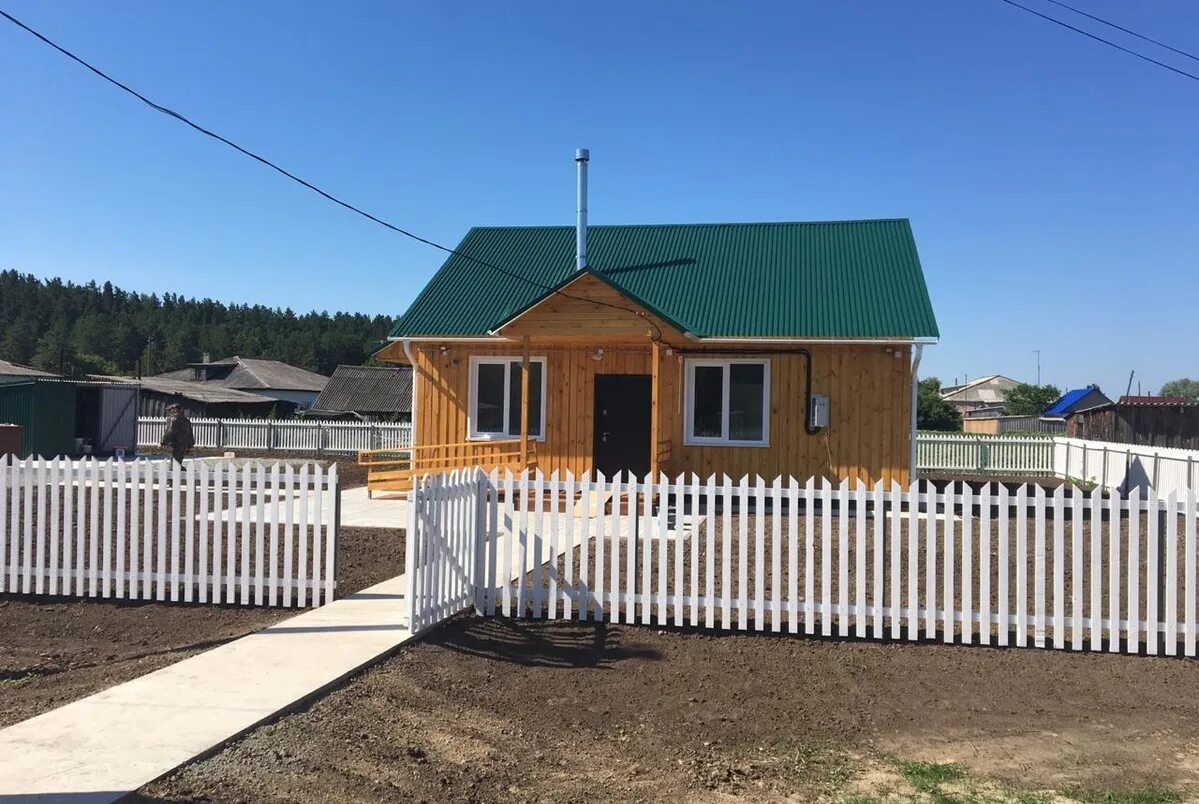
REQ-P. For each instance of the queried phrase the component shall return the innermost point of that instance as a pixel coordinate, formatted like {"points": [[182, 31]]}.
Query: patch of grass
{"points": [[927, 777], [1030, 798], [20, 681], [822, 765], [1148, 795], [862, 800]]}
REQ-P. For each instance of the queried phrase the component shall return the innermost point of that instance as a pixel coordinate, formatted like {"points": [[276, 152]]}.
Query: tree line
{"points": [[101, 329]]}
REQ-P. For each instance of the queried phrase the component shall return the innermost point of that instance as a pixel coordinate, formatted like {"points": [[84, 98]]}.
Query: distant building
{"points": [[1155, 421], [1075, 400], [202, 400], [984, 396], [16, 370], [265, 378], [366, 393]]}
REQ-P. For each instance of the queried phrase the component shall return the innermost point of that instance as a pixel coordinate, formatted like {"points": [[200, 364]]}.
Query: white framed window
{"points": [[495, 385], [727, 402]]}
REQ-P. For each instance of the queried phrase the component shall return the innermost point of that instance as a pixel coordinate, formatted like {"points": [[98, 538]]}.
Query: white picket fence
{"points": [[1029, 456], [1124, 467], [988, 566], [283, 435], [250, 535]]}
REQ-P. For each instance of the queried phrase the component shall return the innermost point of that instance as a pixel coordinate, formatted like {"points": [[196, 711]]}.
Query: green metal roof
{"points": [[842, 279]]}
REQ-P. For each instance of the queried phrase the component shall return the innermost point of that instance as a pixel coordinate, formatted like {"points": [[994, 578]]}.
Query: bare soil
{"points": [[492, 709], [57, 650]]}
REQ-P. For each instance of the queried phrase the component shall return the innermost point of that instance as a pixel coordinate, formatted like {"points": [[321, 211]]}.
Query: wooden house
{"points": [[760, 348]]}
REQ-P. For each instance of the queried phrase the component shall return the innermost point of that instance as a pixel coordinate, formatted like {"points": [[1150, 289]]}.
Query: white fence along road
{"points": [[206, 533], [283, 435]]}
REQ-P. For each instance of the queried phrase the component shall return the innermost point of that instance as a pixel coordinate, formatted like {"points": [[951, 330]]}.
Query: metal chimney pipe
{"points": [[582, 156]]}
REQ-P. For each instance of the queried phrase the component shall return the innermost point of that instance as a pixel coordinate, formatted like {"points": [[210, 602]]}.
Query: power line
{"points": [[1125, 30], [309, 185], [1107, 42]]}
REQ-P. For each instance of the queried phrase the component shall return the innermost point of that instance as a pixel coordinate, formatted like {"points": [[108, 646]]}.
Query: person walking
{"points": [[178, 436]]}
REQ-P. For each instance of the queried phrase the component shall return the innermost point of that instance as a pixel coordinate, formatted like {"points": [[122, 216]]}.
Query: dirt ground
{"points": [[492, 709], [57, 650]]}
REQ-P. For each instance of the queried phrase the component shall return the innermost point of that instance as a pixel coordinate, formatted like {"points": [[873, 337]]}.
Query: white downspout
{"points": [[917, 353], [415, 377]]}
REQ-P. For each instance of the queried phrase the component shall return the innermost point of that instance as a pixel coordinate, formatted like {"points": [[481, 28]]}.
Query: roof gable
{"points": [[584, 306], [850, 279]]}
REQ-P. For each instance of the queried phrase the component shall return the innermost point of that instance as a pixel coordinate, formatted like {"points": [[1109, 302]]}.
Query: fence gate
{"points": [[989, 564]]}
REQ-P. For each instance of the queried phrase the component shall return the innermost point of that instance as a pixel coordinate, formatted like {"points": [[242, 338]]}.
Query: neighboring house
{"points": [[367, 393], [70, 417], [268, 378], [202, 400], [1078, 399], [984, 396], [741, 349], [16, 370], [1156, 421]]}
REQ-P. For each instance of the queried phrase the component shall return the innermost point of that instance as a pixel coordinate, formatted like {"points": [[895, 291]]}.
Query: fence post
{"points": [[270, 433], [320, 437], [220, 434]]}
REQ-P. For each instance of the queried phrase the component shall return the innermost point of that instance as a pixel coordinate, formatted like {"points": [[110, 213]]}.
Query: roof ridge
{"points": [[570, 227]]}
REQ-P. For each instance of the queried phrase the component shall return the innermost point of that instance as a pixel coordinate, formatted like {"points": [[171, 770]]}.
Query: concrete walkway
{"points": [[116, 741]]}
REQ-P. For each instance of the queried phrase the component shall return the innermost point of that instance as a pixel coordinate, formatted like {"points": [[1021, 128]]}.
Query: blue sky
{"points": [[1051, 181]]}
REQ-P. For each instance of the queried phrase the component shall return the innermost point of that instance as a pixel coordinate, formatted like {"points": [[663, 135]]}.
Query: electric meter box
{"points": [[818, 407]]}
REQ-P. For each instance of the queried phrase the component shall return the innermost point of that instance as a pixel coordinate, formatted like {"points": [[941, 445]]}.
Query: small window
{"points": [[728, 402], [495, 384]]}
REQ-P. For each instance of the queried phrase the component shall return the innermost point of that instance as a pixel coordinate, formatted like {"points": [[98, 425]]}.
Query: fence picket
{"points": [[538, 539], [1059, 569], [876, 594], [1191, 514], [680, 506], [1152, 575], [203, 574], [984, 566], [1171, 602], [726, 579], [554, 590], [1022, 566], [189, 549], [896, 599], [94, 536], [947, 574], [809, 614], [602, 497], [760, 554], [930, 562], [1113, 573], [826, 558], [1039, 568], [966, 610], [176, 515], [710, 556], [1003, 633], [496, 527], [1134, 571], [663, 558], [56, 471], [694, 539], [614, 525], [914, 561], [1096, 579], [792, 556], [646, 546], [301, 596], [843, 558], [7, 474], [39, 561], [860, 518]]}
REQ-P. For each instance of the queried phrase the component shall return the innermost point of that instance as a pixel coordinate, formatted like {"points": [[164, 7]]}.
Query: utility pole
{"points": [[1038, 354]]}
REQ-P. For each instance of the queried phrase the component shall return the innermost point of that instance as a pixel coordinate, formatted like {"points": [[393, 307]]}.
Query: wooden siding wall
{"points": [[869, 401]]}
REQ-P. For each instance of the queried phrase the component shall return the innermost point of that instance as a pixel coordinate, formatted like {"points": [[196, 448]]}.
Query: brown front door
{"points": [[623, 411]]}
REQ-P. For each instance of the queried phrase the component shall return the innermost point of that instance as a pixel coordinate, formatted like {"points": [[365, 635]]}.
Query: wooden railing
{"points": [[393, 469]]}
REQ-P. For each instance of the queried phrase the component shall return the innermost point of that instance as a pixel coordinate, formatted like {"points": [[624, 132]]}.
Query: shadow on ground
{"points": [[533, 643]]}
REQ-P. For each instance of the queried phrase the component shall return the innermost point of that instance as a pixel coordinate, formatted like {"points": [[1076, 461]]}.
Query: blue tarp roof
{"points": [[1068, 399]]}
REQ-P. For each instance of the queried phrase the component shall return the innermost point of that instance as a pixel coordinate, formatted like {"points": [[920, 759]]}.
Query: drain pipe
{"points": [[918, 352], [407, 344]]}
